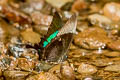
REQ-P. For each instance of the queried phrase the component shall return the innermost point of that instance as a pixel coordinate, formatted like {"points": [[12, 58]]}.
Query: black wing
{"points": [[56, 24]]}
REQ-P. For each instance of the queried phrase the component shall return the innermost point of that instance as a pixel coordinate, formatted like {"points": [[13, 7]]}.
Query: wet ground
{"points": [[93, 55]]}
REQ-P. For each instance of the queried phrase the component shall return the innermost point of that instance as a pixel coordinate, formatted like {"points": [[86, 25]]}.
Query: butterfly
{"points": [[54, 46]]}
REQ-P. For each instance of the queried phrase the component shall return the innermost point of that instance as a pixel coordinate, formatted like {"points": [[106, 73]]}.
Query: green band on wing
{"points": [[45, 43]]}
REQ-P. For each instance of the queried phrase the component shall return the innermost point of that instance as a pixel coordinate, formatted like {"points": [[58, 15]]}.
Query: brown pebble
{"points": [[86, 69], [79, 5], [43, 76], [39, 18], [67, 73], [115, 45], [112, 10]]}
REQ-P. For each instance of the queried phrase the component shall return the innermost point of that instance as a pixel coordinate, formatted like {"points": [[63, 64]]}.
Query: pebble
{"points": [[113, 68], [79, 5], [112, 10], [23, 63], [39, 18], [15, 75], [86, 69], [88, 39], [112, 54], [0, 72], [67, 73], [114, 45], [43, 76], [58, 3], [30, 36], [98, 18], [102, 62], [3, 2]]}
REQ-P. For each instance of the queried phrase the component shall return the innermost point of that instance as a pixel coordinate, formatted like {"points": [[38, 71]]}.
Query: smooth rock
{"points": [[99, 19], [0, 72], [86, 69], [23, 63], [67, 73], [113, 68], [58, 3], [79, 5], [112, 54], [39, 18], [30, 36], [112, 10], [43, 76], [102, 62], [114, 45], [92, 38], [15, 75]]}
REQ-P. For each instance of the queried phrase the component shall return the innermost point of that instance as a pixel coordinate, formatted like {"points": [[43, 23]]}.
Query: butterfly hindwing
{"points": [[57, 50]]}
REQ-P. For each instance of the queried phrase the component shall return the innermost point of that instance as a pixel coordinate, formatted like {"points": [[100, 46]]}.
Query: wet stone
{"points": [[79, 5], [32, 5], [13, 63], [15, 15], [3, 48], [112, 54], [30, 36], [102, 62], [43, 66], [5, 32], [58, 3], [92, 78], [114, 45], [55, 69], [6, 62], [75, 53], [92, 38], [3, 2], [16, 50], [15, 40], [112, 10], [41, 29], [72, 47], [113, 68], [0, 72], [39, 18], [79, 53], [86, 69], [43, 76], [67, 72], [15, 75], [82, 26], [30, 54], [99, 19], [88, 78], [25, 64], [94, 7], [100, 51]]}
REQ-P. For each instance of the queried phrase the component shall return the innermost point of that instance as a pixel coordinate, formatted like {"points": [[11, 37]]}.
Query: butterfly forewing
{"points": [[55, 25], [69, 27]]}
